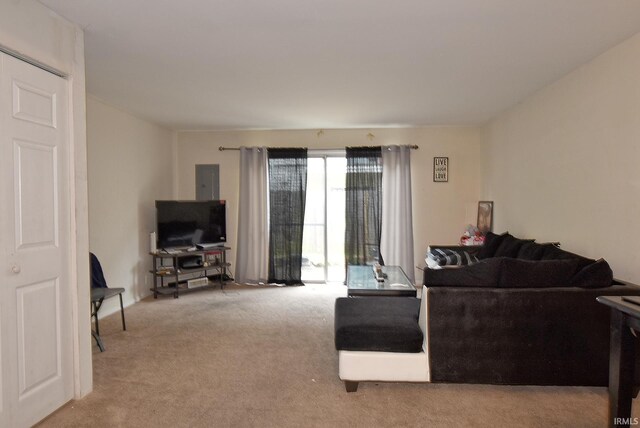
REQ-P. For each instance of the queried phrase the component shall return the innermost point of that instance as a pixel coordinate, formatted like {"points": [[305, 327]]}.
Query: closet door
{"points": [[36, 345]]}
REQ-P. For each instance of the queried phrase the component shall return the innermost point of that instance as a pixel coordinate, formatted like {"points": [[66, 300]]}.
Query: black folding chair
{"points": [[99, 292]]}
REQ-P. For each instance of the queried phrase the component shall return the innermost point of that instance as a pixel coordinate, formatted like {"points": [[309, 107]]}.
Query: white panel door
{"points": [[36, 346]]}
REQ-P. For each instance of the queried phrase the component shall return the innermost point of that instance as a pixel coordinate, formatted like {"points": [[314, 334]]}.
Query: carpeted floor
{"points": [[264, 357]]}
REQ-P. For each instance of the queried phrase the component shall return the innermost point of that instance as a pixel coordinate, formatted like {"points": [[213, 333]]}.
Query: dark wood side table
{"points": [[625, 316]]}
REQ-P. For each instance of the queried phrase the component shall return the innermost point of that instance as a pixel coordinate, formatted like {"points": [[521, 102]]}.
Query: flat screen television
{"points": [[191, 223]]}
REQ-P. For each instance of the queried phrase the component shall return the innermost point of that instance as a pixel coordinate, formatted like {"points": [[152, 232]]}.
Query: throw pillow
{"points": [[491, 244], [510, 246], [532, 251], [554, 253], [482, 274], [595, 275], [444, 257], [517, 273]]}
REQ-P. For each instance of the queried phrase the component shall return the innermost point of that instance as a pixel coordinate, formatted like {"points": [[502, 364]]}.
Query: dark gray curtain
{"points": [[287, 196], [363, 207]]}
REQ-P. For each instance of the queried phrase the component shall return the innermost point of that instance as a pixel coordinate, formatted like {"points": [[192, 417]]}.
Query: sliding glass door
{"points": [[324, 222]]}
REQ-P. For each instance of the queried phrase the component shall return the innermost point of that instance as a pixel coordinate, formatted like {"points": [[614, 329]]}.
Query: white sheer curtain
{"points": [[252, 256], [396, 244]]}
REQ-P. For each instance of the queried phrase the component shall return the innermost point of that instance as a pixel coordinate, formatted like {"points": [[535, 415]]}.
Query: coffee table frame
{"points": [[361, 281]]}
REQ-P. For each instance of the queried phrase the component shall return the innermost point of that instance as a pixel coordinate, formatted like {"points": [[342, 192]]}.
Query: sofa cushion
{"points": [[482, 274], [510, 246], [532, 251], [385, 324], [594, 275], [491, 244], [517, 273]]}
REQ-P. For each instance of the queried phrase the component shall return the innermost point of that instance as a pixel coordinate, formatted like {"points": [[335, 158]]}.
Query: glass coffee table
{"points": [[361, 281]]}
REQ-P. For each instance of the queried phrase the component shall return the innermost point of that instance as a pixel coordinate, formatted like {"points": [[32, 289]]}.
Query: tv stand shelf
{"points": [[171, 278]]}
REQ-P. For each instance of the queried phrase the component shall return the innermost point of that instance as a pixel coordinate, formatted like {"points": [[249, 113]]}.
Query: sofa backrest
{"points": [[507, 272], [518, 269]]}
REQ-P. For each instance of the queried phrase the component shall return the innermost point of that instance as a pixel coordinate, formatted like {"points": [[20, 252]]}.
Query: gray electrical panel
{"points": [[207, 182]]}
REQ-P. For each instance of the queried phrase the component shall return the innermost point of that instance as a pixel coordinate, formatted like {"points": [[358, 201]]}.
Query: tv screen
{"points": [[189, 223]]}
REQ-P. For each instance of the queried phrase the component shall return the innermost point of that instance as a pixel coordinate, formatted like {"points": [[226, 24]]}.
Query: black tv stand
{"points": [[182, 271]]}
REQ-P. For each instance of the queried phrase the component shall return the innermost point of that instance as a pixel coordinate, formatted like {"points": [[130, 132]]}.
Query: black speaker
{"points": [[190, 262]]}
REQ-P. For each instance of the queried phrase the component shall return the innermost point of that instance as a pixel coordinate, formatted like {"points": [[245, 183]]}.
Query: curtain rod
{"points": [[222, 148]]}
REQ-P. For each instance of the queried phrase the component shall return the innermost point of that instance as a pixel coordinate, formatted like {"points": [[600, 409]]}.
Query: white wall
{"points": [[130, 166], [441, 210], [35, 32], [564, 164]]}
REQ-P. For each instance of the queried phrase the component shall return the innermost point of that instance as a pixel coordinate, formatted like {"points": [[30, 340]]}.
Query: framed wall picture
{"points": [[440, 169], [485, 216]]}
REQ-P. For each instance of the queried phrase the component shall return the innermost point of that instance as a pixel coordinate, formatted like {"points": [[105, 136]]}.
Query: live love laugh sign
{"points": [[441, 170]]}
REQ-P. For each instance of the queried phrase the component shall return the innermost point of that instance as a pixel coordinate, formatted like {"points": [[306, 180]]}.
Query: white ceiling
{"points": [[307, 64]]}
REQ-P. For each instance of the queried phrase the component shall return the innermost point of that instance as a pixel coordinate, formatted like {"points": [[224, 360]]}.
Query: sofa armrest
{"points": [[526, 336]]}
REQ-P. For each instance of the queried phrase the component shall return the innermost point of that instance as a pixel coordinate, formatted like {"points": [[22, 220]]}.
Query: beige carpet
{"points": [[264, 357]]}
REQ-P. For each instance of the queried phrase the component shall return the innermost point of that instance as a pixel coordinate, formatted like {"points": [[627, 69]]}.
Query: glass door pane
{"points": [[324, 222], [313, 237], [336, 178]]}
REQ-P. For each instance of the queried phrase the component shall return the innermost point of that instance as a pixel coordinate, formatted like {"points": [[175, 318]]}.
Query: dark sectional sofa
{"points": [[526, 313]]}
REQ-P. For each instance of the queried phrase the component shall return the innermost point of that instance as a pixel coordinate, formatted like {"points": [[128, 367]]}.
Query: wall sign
{"points": [[440, 170]]}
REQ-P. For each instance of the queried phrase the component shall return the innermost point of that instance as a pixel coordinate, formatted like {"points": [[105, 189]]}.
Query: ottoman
{"points": [[381, 339]]}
